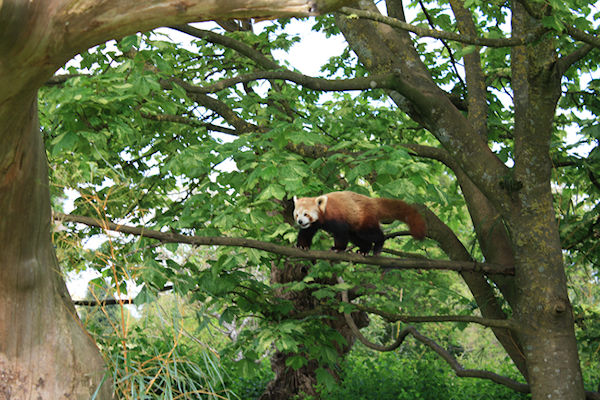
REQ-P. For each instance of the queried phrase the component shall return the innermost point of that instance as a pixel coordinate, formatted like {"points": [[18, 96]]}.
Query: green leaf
{"points": [[246, 368], [553, 22], [296, 362], [64, 142], [325, 378], [228, 315], [465, 50], [323, 293], [128, 42], [145, 296]]}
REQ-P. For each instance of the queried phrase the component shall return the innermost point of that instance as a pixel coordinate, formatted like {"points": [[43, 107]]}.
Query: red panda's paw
{"points": [[302, 247], [362, 253]]}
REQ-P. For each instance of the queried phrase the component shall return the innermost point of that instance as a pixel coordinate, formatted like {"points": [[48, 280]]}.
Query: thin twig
{"points": [[424, 32]]}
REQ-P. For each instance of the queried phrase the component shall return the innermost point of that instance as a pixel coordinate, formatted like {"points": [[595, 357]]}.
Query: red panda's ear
{"points": [[295, 200], [322, 203]]}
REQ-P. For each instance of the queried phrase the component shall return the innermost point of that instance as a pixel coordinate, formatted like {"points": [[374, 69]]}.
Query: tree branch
{"points": [[444, 43], [449, 358], [489, 322], [179, 119], [91, 22], [362, 83], [221, 108], [468, 373], [111, 301], [240, 47], [575, 33], [494, 244], [416, 93], [424, 32], [563, 64], [385, 262], [580, 35], [476, 88]]}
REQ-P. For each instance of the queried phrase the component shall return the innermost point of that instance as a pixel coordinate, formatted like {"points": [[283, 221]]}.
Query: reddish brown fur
{"points": [[353, 217], [362, 211]]}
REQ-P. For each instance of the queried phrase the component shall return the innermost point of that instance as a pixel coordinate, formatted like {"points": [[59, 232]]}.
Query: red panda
{"points": [[352, 217]]}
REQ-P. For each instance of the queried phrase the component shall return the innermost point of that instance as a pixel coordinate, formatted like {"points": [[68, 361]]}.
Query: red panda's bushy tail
{"points": [[394, 209]]}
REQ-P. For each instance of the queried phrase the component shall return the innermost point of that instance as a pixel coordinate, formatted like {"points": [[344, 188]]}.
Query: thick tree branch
{"points": [[494, 243], [416, 93], [476, 87], [564, 63], [91, 22], [424, 32], [48, 33], [363, 83], [385, 262]]}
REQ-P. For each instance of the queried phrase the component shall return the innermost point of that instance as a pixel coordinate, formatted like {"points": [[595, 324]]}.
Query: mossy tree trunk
{"points": [[545, 350], [301, 382]]}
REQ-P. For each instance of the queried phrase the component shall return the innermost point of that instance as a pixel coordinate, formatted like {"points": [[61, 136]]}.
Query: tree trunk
{"points": [[541, 299], [44, 351], [538, 292], [542, 303], [289, 382]]}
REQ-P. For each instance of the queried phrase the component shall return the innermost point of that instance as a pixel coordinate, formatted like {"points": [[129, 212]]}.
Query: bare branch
{"points": [[565, 62], [385, 262], [91, 22], [356, 332], [111, 301], [476, 88], [489, 322], [583, 36], [468, 373], [449, 358], [424, 32], [221, 108]]}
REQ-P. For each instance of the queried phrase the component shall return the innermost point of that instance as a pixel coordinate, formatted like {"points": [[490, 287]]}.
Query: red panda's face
{"points": [[306, 211]]}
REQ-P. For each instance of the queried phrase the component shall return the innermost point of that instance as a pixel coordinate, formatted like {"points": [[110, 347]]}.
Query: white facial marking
{"points": [[304, 217]]}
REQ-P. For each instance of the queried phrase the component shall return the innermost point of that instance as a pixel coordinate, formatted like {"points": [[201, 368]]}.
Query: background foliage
{"points": [[132, 137]]}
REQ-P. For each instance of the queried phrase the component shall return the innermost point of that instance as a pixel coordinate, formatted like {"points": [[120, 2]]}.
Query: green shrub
{"points": [[394, 376]]}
